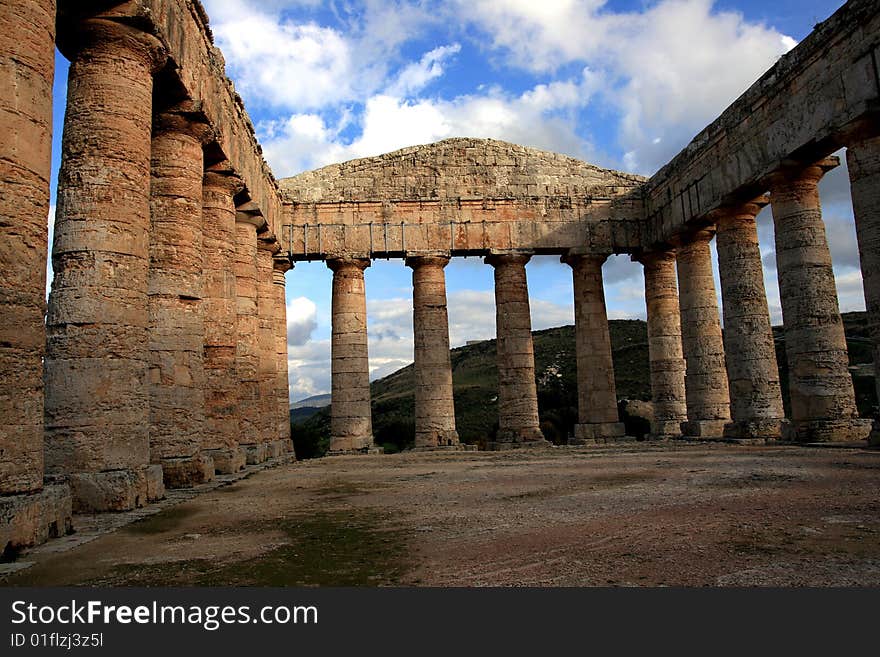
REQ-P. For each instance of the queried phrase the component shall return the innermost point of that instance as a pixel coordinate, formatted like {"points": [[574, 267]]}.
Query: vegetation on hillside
{"points": [[475, 377]]}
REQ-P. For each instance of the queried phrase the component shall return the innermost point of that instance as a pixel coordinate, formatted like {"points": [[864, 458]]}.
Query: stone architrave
{"points": [[351, 422], [753, 376], [708, 398], [434, 403], [97, 352], [176, 312], [598, 418], [823, 406], [267, 350], [518, 423], [247, 357], [863, 162], [221, 432], [664, 345], [30, 512], [282, 383]]}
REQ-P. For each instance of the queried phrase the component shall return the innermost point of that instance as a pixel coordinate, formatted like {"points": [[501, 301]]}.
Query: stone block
{"points": [[114, 490], [31, 519], [227, 461], [186, 472], [255, 454]]}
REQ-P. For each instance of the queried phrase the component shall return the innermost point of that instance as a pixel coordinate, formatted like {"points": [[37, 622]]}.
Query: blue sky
{"points": [[624, 84]]}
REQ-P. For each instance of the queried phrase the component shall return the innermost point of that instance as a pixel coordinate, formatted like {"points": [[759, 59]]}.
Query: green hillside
{"points": [[475, 384]]}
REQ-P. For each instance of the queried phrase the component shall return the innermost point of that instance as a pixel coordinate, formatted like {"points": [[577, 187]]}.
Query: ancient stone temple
{"points": [[160, 359]]}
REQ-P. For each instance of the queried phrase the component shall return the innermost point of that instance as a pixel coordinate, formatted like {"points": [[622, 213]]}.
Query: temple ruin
{"points": [[161, 358]]}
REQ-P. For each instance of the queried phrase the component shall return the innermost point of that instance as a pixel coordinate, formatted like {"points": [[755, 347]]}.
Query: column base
{"points": [[188, 471], [288, 445], [517, 439], [755, 430], [703, 428], [827, 431], [29, 519], [227, 461], [444, 448], [665, 430], [599, 432], [255, 454], [353, 445], [433, 439], [116, 490], [274, 449]]}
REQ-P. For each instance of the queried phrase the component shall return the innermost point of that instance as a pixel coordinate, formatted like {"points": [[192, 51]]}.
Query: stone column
{"points": [[247, 357], [27, 51], [176, 314], [708, 399], [664, 345], [220, 436], [598, 419], [434, 404], [823, 406], [351, 420], [97, 400], [518, 423], [753, 376], [863, 160], [267, 348], [282, 383]]}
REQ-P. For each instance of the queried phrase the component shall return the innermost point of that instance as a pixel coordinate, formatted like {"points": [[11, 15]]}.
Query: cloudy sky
{"points": [[623, 84]]}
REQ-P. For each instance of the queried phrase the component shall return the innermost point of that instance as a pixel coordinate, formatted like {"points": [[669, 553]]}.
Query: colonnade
{"points": [[162, 360]]}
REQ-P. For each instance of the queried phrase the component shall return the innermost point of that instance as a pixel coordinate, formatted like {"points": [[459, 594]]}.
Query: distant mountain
{"points": [[317, 401]]}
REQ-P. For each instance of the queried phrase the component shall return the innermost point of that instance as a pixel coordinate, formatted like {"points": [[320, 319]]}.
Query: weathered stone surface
{"points": [[267, 349], [188, 471], [597, 395], [351, 422], [434, 404], [256, 454], [27, 51], [753, 376], [281, 410], [247, 356], [116, 490], [708, 399], [176, 314], [518, 423], [97, 404], [33, 518], [822, 399], [664, 344], [227, 461]]}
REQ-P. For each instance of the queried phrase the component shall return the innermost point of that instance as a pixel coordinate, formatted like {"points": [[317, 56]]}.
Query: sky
{"points": [[623, 84]]}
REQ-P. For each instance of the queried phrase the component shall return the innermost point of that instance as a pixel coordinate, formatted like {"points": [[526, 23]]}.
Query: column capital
{"points": [[268, 243], [427, 260], [648, 258], [249, 213], [791, 171], [499, 258], [94, 34], [282, 263], [575, 257], [222, 181], [348, 262], [697, 237], [185, 124]]}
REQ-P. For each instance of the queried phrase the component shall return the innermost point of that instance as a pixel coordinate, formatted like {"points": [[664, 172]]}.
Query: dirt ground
{"points": [[632, 515]]}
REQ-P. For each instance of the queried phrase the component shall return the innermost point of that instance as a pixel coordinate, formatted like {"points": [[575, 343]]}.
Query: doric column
{"points": [[664, 344], [518, 423], [247, 356], [27, 51], [863, 160], [755, 396], [351, 421], [434, 404], [708, 399], [97, 399], [282, 383], [176, 314], [598, 419], [267, 347], [823, 404], [220, 437]]}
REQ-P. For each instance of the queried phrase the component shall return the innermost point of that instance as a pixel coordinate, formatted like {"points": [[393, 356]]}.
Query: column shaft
{"points": [[708, 399], [598, 419], [220, 436], [351, 422], [279, 328], [664, 345], [823, 404], [863, 160], [518, 422], [247, 356], [434, 403], [267, 348], [97, 401], [176, 314], [752, 374]]}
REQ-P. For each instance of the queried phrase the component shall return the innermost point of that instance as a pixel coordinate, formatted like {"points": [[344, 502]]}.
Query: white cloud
{"points": [[302, 320], [417, 75]]}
